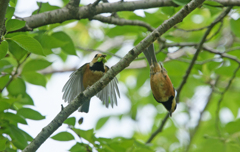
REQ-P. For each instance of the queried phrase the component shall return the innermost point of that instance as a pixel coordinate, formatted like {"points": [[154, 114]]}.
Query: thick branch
{"points": [[3, 9], [69, 13], [199, 48], [66, 13], [122, 64]]}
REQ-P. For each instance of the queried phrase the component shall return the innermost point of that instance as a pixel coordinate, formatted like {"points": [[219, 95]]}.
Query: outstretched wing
{"points": [[74, 85], [109, 92]]}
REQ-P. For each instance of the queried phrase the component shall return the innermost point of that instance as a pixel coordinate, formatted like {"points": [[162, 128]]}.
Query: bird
{"points": [[161, 85], [86, 76]]}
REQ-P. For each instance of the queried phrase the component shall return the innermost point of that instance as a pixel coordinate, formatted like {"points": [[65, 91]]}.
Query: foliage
{"points": [[213, 82]]}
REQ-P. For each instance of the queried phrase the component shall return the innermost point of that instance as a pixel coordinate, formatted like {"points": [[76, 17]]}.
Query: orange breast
{"points": [[90, 77], [161, 86]]}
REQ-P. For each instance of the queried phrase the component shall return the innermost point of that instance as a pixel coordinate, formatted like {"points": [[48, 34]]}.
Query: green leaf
{"points": [[4, 80], [5, 66], [124, 30], [10, 12], [235, 26], [213, 7], [16, 50], [30, 114], [168, 10], [101, 122], [226, 70], [13, 3], [213, 3], [35, 78], [3, 49], [14, 118], [19, 136], [181, 2], [28, 44], [233, 127], [49, 41], [28, 137], [86, 134], [3, 144], [63, 136], [25, 100], [4, 106], [80, 147], [35, 65], [63, 56], [70, 121], [45, 7], [69, 47], [16, 87], [14, 24]]}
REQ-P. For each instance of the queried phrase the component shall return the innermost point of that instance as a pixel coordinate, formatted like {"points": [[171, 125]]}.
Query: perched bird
{"points": [[86, 76], [161, 84]]}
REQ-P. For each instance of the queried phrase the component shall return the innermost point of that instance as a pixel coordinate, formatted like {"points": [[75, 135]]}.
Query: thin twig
{"points": [[159, 129], [232, 49], [220, 27], [223, 55], [199, 48], [121, 21], [95, 3], [40, 6], [47, 71], [192, 30], [92, 50], [221, 98], [15, 73], [192, 134]]}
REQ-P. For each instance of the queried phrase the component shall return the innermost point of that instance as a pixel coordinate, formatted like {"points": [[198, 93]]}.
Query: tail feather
{"points": [[150, 54], [84, 107]]}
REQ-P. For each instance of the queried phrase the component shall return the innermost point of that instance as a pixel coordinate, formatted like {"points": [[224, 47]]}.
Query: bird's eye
{"points": [[95, 55]]}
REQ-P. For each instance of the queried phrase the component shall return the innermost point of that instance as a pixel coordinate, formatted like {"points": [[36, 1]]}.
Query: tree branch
{"points": [[92, 50], [221, 98], [66, 13], [3, 9], [15, 73], [159, 129], [223, 55], [120, 21], [112, 72], [96, 3], [199, 48], [228, 2], [69, 12], [201, 113]]}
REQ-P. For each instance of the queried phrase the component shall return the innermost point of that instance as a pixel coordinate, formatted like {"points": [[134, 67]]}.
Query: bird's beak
{"points": [[104, 56], [102, 59], [170, 114]]}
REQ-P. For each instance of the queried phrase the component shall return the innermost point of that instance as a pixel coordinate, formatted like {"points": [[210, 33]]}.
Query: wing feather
{"points": [[109, 93], [74, 85]]}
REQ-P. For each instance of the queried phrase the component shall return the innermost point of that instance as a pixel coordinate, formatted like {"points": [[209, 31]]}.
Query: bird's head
{"points": [[98, 58], [170, 105], [173, 107]]}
